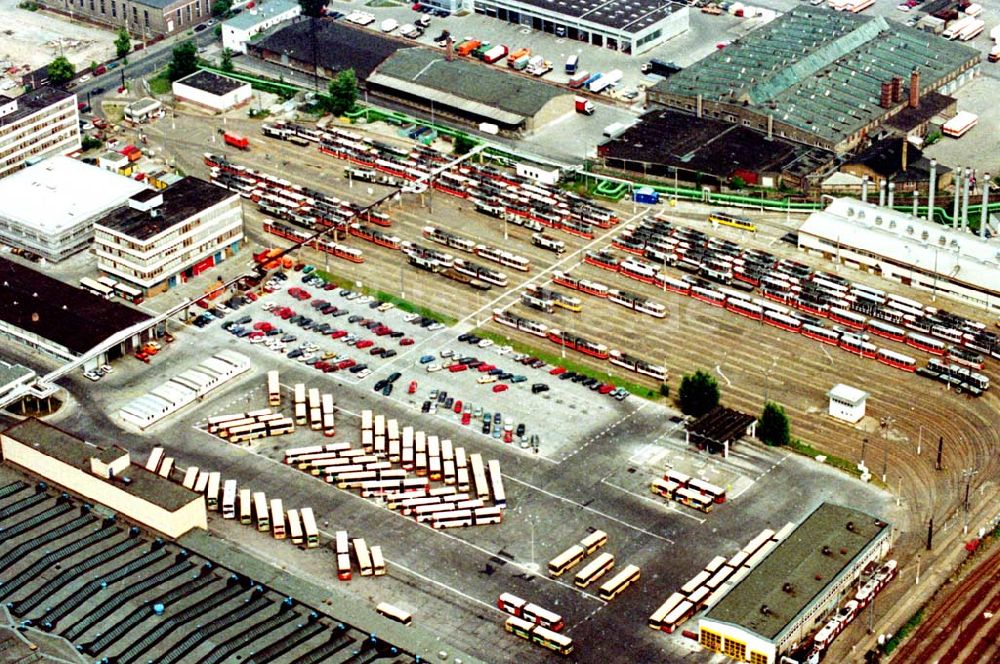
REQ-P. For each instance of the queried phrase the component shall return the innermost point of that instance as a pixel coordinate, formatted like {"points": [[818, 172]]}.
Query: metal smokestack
{"points": [[930, 191], [985, 217], [966, 183], [892, 193], [881, 193], [916, 199], [955, 201], [864, 188]]}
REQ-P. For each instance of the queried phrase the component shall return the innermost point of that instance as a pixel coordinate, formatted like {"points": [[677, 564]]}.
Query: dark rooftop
{"points": [[885, 159], [69, 449], [211, 82], [719, 426], [702, 145], [799, 561], [930, 105], [64, 314], [625, 15], [367, 49], [465, 84], [32, 102], [181, 201]]}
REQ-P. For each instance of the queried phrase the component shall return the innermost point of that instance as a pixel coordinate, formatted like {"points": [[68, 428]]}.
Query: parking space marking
{"points": [[604, 431], [665, 506], [588, 508], [759, 477]]}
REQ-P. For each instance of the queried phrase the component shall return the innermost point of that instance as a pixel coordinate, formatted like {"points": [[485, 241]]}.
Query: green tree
{"points": [[220, 7], [61, 71], [698, 394], [312, 7], [94, 65], [664, 390], [737, 183], [463, 144], [184, 62], [774, 428], [343, 92], [123, 43], [226, 63]]}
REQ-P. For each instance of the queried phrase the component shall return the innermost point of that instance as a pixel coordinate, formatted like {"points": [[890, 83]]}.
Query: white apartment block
{"points": [[37, 124], [163, 238]]}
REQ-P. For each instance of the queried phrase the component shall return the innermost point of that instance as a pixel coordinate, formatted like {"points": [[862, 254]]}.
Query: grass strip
{"points": [[837, 462], [400, 303], [556, 359], [903, 632]]}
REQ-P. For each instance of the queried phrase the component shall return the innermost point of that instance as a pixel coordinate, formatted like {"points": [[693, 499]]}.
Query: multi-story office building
{"points": [[37, 124], [142, 18], [163, 238]]}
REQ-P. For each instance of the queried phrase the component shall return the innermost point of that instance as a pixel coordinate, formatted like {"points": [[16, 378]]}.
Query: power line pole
{"points": [[967, 475]]}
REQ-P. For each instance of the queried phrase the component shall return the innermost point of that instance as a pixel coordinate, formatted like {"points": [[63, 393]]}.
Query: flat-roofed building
{"points": [[162, 238], [37, 124], [777, 603], [104, 475], [630, 26], [900, 247], [240, 29], [212, 91], [50, 208], [61, 320]]}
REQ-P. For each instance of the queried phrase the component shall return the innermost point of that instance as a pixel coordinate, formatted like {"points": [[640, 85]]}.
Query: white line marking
{"points": [[589, 509]]}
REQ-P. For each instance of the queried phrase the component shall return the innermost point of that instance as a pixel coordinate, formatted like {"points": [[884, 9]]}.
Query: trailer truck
{"points": [[584, 106]]}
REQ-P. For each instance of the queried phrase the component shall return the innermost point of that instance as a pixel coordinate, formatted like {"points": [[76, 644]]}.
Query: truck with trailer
{"points": [[661, 68], [584, 106], [572, 62], [579, 79], [236, 140]]}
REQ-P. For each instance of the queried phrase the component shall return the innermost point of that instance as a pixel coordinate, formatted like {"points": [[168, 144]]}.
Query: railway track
{"points": [[958, 629]]}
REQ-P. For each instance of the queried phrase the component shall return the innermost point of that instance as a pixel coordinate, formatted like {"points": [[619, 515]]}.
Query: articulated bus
{"points": [[130, 293], [315, 410], [496, 480], [367, 421], [543, 617], [364, 558], [246, 508], [277, 519], [97, 288], [393, 613], [343, 567], [717, 494], [693, 498], [229, 499], [594, 541], [479, 476], [260, 512], [659, 617], [309, 530], [378, 561], [301, 414], [294, 527], [594, 570], [539, 635], [566, 560], [273, 389], [611, 588], [329, 426], [212, 491], [727, 219], [218, 423]]}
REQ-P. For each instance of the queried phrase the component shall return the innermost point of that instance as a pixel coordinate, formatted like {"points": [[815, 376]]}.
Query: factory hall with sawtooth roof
{"points": [[820, 77]]}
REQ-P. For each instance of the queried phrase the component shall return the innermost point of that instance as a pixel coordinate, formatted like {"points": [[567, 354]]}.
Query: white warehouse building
{"points": [[212, 91], [900, 247], [243, 27]]}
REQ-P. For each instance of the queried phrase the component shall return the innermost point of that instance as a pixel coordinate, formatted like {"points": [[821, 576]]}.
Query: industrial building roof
{"points": [[885, 159], [906, 240], [264, 11], [707, 146], [820, 70], [625, 15], [60, 193], [32, 102], [781, 587], [69, 316], [11, 373], [367, 49], [67, 448], [211, 82], [181, 201], [465, 85], [847, 393]]}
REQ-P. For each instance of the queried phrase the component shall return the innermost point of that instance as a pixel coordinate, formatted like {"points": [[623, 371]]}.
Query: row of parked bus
{"points": [[595, 568], [716, 579], [370, 559], [690, 491], [313, 408], [250, 425]]}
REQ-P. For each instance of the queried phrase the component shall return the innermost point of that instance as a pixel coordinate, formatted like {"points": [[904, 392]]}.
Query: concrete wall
{"points": [[171, 524]]}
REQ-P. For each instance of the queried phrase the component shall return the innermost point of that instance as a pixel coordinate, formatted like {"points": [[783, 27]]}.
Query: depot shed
{"points": [[212, 91], [847, 403]]}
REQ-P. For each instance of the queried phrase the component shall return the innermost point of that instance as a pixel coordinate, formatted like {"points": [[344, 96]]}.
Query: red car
{"points": [[346, 364], [455, 368], [556, 371], [382, 330], [203, 304], [606, 388], [294, 291], [250, 295], [483, 368], [303, 295], [500, 387], [508, 436], [466, 418], [458, 406], [366, 343], [406, 341], [337, 334], [412, 389], [320, 366]]}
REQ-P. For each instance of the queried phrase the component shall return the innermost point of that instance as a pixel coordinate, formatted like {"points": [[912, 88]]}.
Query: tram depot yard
{"points": [[574, 460]]}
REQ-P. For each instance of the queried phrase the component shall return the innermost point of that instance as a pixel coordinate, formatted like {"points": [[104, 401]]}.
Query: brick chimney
{"points": [[915, 88], [449, 49], [904, 154], [885, 98], [897, 89]]}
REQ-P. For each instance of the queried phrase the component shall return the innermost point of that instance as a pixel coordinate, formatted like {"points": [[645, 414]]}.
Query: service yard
{"points": [[594, 457]]}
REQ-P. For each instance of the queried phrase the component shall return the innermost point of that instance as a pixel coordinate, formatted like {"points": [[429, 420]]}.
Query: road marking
{"points": [[603, 432], [589, 509], [669, 507], [756, 479]]}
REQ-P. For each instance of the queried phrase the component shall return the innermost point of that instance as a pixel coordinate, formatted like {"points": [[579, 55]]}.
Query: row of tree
{"points": [[699, 393]]}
